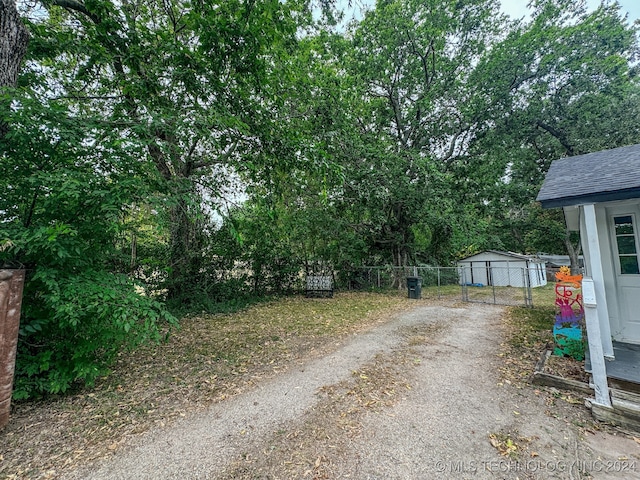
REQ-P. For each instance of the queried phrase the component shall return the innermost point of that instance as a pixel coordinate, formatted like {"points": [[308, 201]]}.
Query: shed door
{"points": [[625, 245]]}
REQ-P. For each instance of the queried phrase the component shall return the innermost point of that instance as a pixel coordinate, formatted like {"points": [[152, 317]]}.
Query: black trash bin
{"points": [[414, 286]]}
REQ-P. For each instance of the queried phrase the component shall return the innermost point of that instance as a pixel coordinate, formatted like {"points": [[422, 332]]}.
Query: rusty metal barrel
{"points": [[11, 283]]}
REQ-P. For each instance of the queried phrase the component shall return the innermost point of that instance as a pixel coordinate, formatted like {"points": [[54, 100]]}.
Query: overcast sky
{"points": [[515, 8], [518, 8]]}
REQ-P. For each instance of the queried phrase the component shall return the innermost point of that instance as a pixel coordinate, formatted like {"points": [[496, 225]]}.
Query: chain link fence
{"points": [[499, 285], [436, 281]]}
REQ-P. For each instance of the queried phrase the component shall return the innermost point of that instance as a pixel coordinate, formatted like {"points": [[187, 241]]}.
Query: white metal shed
{"points": [[502, 269]]}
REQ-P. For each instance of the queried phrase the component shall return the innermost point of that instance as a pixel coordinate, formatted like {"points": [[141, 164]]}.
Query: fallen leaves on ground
{"points": [[528, 333], [312, 449], [511, 444], [211, 358]]}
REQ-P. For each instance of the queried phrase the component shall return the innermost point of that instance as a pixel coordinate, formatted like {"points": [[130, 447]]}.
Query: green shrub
{"points": [[74, 325], [65, 216], [574, 348]]}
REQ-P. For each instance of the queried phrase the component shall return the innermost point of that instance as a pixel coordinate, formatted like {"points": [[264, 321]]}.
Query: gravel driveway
{"points": [[455, 418]]}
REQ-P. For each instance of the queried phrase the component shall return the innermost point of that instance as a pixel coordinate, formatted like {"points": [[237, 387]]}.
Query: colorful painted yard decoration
{"points": [[567, 330]]}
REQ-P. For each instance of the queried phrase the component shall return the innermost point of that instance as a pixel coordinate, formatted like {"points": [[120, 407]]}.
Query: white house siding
{"points": [[623, 301]]}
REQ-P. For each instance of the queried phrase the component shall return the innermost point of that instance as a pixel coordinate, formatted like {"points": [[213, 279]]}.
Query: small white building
{"points": [[502, 269]]}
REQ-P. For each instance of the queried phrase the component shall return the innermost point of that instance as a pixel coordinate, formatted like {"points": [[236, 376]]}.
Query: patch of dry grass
{"points": [[210, 358], [566, 367], [528, 333], [544, 297]]}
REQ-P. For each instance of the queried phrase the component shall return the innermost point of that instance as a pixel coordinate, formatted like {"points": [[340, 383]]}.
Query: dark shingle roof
{"points": [[592, 178]]}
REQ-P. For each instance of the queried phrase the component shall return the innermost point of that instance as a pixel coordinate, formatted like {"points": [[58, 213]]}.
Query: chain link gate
{"points": [[499, 285]]}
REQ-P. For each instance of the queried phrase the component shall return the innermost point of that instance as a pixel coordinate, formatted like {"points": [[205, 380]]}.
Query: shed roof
{"points": [[499, 252], [558, 260], [592, 178]]}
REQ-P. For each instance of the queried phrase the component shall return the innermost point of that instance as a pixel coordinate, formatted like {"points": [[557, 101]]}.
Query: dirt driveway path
{"points": [[419, 397]]}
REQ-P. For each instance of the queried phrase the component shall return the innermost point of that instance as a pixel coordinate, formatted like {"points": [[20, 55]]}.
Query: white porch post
{"points": [[596, 273], [598, 367]]}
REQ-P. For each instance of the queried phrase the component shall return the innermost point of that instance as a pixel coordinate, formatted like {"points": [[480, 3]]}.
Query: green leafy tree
{"points": [[414, 62], [125, 107], [185, 85], [563, 84], [14, 39], [62, 217]]}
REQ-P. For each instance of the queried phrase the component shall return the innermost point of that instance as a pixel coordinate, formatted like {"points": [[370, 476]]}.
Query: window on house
{"points": [[627, 247]]}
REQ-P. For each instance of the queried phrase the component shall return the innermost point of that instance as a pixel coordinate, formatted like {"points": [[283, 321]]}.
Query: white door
{"points": [[625, 246]]}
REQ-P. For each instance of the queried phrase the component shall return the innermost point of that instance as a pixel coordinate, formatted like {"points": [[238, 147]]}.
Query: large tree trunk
{"points": [[13, 43], [574, 253], [13, 46], [186, 250]]}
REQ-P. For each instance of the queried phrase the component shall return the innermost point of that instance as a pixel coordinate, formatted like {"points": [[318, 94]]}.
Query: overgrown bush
{"points": [[65, 216], [75, 323]]}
